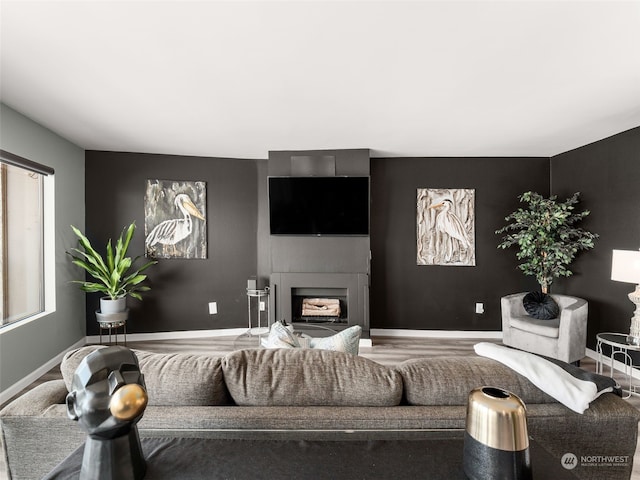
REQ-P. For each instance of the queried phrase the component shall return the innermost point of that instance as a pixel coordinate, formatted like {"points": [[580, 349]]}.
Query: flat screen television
{"points": [[331, 206]]}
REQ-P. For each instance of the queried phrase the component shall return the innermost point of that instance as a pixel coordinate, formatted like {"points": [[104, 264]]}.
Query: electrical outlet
{"points": [[263, 306], [479, 307], [213, 308]]}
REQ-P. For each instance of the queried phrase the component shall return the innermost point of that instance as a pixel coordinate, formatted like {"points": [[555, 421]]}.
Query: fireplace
{"points": [[338, 300], [327, 305]]}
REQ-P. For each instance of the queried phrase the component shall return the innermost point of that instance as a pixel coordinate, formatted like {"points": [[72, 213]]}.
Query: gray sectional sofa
{"points": [[305, 389]]}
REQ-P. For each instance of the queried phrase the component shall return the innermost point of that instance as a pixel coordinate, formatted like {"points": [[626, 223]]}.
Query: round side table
{"points": [[619, 346], [259, 295]]}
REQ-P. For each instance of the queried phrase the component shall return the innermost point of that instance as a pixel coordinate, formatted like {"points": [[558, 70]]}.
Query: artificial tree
{"points": [[547, 236]]}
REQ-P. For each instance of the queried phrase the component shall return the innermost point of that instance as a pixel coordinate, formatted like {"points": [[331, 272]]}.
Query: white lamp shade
{"points": [[625, 266]]}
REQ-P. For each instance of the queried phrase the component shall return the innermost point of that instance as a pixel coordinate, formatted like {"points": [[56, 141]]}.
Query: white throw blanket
{"points": [[552, 379]]}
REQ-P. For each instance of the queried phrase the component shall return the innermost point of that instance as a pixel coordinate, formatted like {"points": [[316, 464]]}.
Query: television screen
{"points": [[319, 205]]}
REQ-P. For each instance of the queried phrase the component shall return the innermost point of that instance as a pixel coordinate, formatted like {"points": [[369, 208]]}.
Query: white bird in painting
{"points": [[172, 231], [448, 222]]}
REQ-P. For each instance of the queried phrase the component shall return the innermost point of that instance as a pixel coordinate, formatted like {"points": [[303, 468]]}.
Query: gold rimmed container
{"points": [[496, 443]]}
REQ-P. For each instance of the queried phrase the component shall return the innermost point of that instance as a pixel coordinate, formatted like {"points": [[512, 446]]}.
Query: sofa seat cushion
{"points": [[545, 328], [210, 420], [171, 379], [307, 377], [448, 380]]}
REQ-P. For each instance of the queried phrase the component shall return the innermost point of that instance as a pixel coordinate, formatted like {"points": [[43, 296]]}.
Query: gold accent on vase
{"points": [[128, 402], [497, 418]]}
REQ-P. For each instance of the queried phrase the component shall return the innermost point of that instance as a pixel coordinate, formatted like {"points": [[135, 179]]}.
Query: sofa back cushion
{"points": [[302, 377], [448, 380], [176, 379]]}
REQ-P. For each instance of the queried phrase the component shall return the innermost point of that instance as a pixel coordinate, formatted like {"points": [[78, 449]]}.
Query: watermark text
{"points": [[571, 461]]}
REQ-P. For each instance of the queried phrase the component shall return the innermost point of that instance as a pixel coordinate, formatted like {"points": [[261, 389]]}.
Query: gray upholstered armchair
{"points": [[564, 338]]}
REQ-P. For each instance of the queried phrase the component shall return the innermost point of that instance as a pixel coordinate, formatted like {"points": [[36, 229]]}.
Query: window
{"points": [[21, 237]]}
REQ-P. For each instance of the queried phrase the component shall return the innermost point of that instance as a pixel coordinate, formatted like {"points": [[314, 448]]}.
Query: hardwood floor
{"points": [[385, 350]]}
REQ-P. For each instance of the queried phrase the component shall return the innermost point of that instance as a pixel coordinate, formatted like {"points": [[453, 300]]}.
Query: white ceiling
{"points": [[237, 79]]}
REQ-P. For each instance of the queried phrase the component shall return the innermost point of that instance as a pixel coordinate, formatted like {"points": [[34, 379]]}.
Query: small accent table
{"points": [[259, 294], [619, 346]]}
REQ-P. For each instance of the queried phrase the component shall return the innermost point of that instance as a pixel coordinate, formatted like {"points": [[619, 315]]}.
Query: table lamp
{"points": [[625, 267]]}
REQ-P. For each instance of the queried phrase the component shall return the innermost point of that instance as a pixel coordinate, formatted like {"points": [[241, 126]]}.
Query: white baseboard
{"points": [[33, 376], [592, 354], [391, 332]]}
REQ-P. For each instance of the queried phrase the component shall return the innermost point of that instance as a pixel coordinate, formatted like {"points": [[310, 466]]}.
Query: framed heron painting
{"points": [[445, 226], [175, 219]]}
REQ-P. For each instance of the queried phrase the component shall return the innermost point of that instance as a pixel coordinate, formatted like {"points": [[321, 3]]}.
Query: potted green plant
{"points": [[547, 236], [115, 275]]}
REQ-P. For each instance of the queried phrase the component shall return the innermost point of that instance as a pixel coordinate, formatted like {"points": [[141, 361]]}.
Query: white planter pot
{"points": [[108, 306], [112, 319]]}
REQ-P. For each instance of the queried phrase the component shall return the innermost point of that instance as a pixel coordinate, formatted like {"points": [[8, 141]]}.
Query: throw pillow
{"points": [[280, 337], [347, 340], [541, 306]]}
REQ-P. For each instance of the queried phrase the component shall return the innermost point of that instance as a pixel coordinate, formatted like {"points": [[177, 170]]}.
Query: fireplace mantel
{"points": [[352, 287]]}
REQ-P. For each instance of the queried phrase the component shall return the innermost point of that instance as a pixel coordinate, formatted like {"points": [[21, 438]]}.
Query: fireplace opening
{"points": [[319, 305]]}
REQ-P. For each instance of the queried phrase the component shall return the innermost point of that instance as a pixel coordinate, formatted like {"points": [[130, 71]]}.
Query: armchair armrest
{"points": [[27, 426], [36, 401], [573, 315], [572, 331], [570, 304], [512, 305]]}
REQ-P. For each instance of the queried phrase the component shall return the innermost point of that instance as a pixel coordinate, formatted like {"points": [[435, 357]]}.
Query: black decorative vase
{"points": [[117, 458], [108, 398], [496, 443]]}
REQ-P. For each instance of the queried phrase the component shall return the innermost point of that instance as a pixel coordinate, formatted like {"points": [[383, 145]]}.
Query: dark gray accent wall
{"points": [[407, 296], [403, 295], [181, 289], [607, 173]]}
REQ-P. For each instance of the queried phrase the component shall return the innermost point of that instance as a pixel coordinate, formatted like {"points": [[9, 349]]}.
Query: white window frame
{"points": [[49, 249]]}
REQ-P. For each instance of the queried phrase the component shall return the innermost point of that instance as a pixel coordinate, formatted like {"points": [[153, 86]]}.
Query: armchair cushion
{"points": [[546, 328], [540, 305]]}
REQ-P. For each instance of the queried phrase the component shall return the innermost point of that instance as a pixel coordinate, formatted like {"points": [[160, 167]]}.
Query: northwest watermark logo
{"points": [[570, 460]]}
